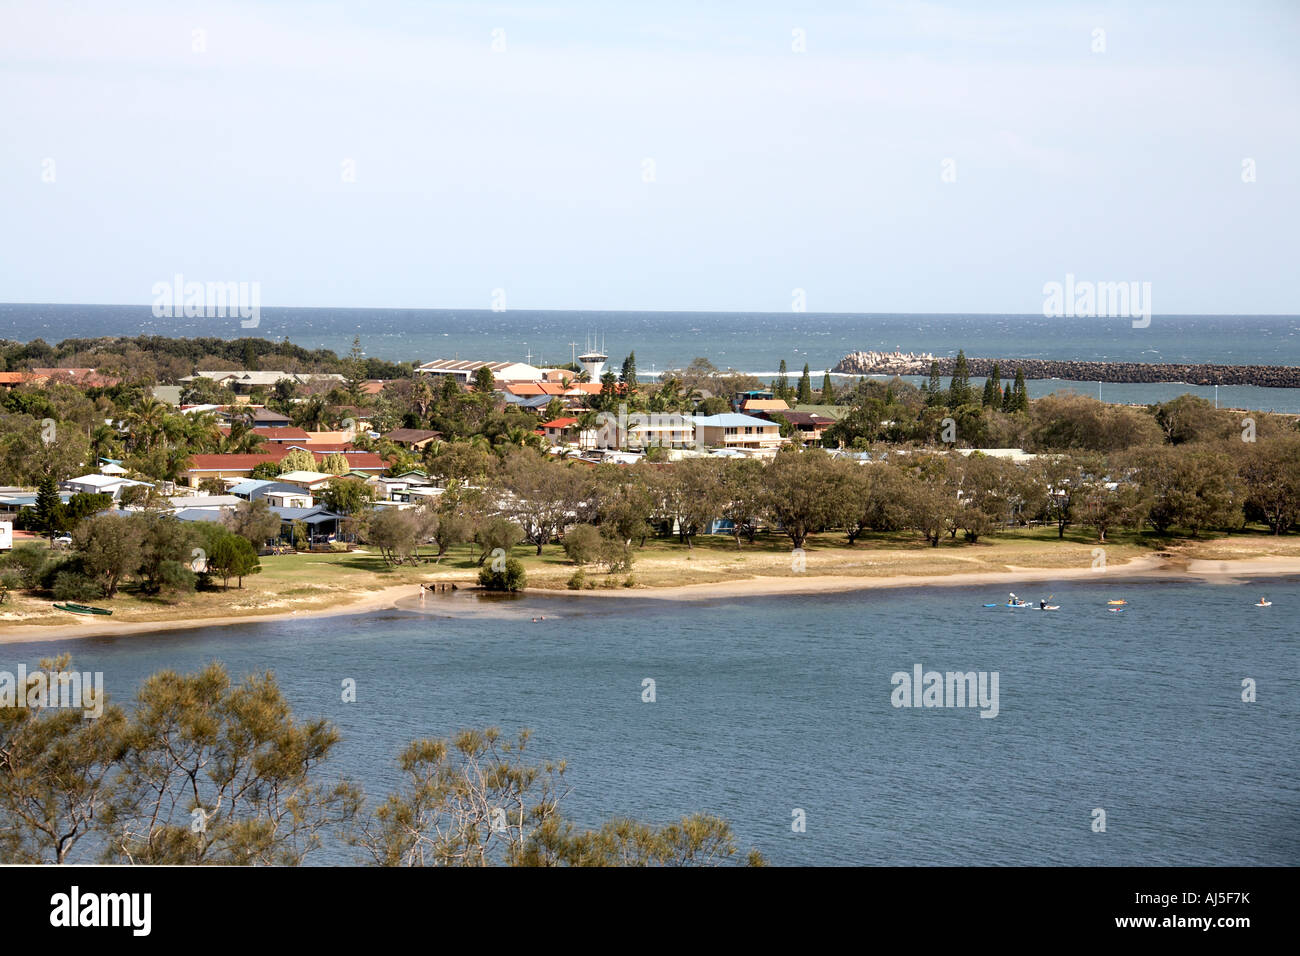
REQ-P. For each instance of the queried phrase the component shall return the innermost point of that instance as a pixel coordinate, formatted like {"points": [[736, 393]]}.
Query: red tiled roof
{"points": [[560, 423], [232, 462]]}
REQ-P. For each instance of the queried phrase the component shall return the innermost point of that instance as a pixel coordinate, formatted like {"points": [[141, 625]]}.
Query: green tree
{"points": [[50, 512], [300, 459], [346, 496], [254, 521], [57, 769], [628, 376], [219, 773], [484, 383], [233, 557], [335, 464], [395, 533], [959, 390], [993, 388], [804, 396], [801, 490], [828, 390], [509, 576], [1020, 393], [582, 544], [782, 388], [934, 391], [111, 547]]}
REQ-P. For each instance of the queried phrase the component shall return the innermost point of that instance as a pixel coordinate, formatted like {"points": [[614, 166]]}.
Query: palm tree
{"points": [[145, 421], [105, 442], [311, 415]]}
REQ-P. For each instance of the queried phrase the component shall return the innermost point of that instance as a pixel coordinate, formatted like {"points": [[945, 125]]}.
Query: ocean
{"points": [[765, 706], [747, 342]]}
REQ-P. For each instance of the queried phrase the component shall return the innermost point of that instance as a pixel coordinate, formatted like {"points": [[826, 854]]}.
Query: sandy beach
{"points": [[106, 627], [1149, 567]]}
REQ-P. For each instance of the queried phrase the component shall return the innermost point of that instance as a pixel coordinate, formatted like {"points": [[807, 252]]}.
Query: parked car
{"points": [[63, 540]]}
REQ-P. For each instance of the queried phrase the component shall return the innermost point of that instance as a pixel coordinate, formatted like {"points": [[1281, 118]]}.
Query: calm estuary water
{"points": [[772, 704]]}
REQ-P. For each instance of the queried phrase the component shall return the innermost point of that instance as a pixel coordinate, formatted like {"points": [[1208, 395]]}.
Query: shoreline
{"points": [[1148, 567]]}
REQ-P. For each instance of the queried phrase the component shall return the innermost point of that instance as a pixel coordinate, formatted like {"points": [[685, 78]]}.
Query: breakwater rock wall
{"points": [[1268, 376]]}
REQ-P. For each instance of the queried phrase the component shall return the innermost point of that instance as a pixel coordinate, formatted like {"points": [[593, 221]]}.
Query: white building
{"points": [[463, 372], [101, 484]]}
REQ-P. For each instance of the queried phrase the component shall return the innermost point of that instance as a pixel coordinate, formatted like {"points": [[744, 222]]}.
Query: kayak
{"points": [[1264, 604], [1050, 607], [1117, 602], [1116, 610]]}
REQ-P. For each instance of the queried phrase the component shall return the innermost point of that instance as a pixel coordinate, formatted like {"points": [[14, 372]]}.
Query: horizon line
{"points": [[384, 308]]}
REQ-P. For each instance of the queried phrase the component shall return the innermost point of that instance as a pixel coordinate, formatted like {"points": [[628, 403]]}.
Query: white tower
{"points": [[593, 361]]}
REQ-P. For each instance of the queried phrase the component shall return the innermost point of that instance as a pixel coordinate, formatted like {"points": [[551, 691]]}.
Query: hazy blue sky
{"points": [[773, 169]]}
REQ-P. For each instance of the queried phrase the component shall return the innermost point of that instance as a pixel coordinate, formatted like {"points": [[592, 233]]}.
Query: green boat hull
{"points": [[82, 609]]}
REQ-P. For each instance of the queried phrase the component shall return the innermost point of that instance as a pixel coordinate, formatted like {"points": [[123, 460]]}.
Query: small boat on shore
{"points": [[82, 609]]}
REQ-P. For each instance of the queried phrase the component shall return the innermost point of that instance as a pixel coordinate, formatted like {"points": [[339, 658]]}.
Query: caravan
{"points": [[6, 535]]}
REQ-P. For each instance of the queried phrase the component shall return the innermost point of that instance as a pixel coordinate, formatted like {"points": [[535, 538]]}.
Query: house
{"points": [[570, 394], [660, 431], [807, 427], [413, 439], [241, 382], [262, 417], [310, 480], [733, 430], [753, 406], [560, 430], [532, 403], [209, 502], [322, 524], [203, 467], [739, 398], [280, 494], [464, 372], [101, 484], [241, 466]]}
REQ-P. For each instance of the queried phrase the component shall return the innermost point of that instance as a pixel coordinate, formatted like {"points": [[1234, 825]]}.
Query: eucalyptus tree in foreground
{"points": [[474, 800], [205, 770]]}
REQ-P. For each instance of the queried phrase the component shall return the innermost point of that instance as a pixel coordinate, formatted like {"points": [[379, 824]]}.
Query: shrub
{"points": [[28, 562], [577, 581], [582, 544], [615, 555], [629, 582], [511, 578], [76, 586]]}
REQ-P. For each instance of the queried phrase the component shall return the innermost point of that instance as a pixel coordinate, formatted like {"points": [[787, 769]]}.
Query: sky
{"points": [[856, 157]]}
